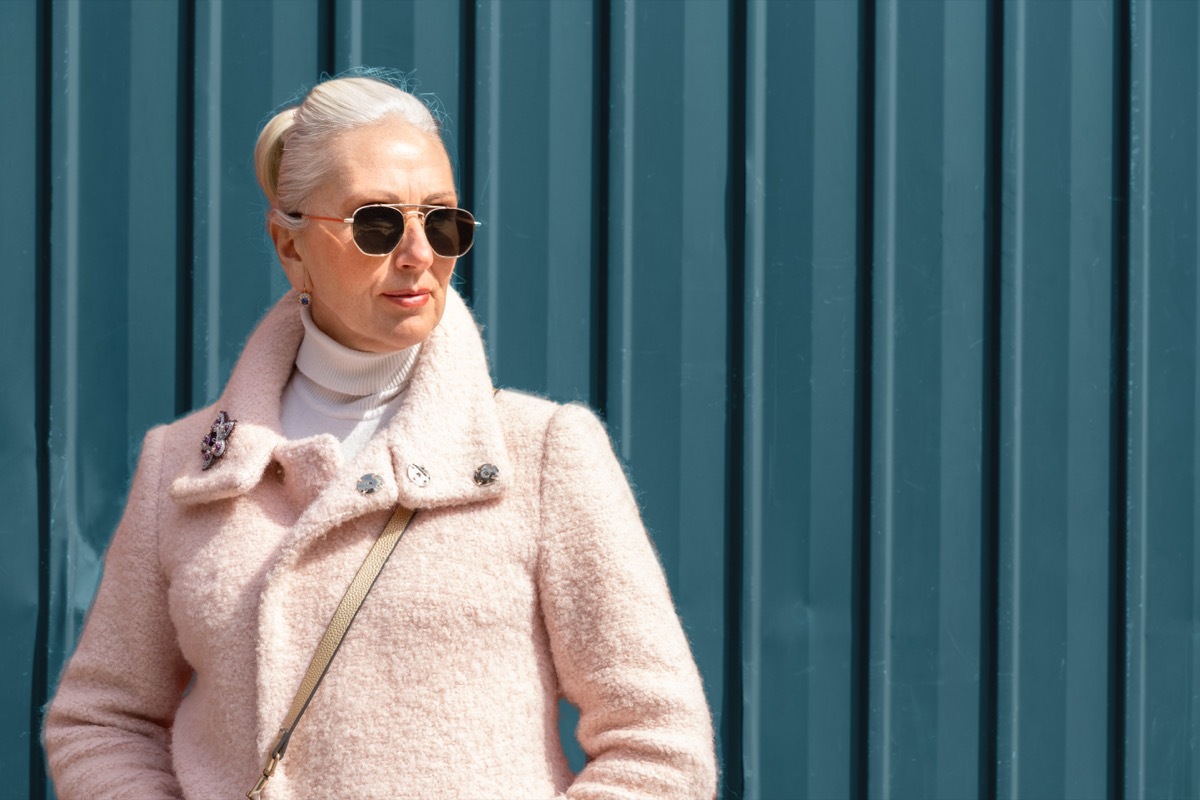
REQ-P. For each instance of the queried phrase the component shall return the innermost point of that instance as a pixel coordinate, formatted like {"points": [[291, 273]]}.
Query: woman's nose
{"points": [[414, 250]]}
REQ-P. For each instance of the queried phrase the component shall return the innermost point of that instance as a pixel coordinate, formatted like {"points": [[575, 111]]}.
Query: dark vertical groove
{"points": [[989, 490], [39, 679], [466, 130], [860, 642], [327, 37], [601, 145], [1119, 402], [185, 187], [733, 777]]}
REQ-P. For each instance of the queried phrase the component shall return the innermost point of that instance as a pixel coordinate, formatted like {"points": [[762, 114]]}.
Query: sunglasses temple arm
{"points": [[347, 220]]}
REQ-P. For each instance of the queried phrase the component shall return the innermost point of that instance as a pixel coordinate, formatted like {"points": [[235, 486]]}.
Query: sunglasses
{"points": [[378, 228]]}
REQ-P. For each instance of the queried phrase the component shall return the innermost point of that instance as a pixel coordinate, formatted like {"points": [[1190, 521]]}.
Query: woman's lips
{"points": [[413, 299]]}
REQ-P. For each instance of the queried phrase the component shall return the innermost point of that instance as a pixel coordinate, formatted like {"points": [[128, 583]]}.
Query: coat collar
{"points": [[447, 427]]}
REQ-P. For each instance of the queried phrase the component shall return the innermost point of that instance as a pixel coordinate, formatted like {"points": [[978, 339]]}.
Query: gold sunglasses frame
{"points": [[422, 211]]}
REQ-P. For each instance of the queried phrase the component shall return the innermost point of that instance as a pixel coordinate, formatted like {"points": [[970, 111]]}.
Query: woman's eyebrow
{"points": [[441, 198], [359, 200], [436, 199]]}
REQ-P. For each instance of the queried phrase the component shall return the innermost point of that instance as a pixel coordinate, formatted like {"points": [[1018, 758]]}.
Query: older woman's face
{"points": [[374, 303]]}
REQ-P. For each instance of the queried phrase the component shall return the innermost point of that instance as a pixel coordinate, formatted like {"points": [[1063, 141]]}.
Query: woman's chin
{"points": [[407, 332]]}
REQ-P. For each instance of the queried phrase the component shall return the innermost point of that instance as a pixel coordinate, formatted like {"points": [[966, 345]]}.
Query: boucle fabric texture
{"points": [[499, 599]]}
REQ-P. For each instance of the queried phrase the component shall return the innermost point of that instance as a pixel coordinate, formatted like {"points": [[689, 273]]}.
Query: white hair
{"points": [[291, 157]]}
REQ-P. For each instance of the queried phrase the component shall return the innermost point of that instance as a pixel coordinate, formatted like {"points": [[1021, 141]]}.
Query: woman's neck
{"points": [[342, 392], [340, 375]]}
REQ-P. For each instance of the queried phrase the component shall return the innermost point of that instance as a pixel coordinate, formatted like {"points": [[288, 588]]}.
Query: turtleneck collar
{"points": [[339, 374]]}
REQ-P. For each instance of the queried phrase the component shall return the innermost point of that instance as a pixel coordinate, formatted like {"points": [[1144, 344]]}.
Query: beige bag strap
{"points": [[352, 600]]}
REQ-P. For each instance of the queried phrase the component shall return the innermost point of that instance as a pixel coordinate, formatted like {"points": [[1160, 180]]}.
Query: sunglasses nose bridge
{"points": [[414, 230]]}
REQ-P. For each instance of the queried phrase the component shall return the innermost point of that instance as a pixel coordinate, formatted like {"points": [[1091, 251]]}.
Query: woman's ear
{"points": [[289, 254]]}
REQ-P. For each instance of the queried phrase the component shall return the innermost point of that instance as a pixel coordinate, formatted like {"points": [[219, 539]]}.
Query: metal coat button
{"points": [[370, 483], [418, 475], [487, 473]]}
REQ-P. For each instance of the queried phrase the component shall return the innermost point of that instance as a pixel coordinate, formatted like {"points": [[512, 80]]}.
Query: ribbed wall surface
{"points": [[891, 307]]}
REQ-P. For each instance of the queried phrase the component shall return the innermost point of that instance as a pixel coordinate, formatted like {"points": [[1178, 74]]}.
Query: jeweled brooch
{"points": [[212, 446]]}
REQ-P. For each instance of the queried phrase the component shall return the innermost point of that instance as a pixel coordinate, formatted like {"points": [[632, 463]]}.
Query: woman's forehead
{"points": [[390, 162]]}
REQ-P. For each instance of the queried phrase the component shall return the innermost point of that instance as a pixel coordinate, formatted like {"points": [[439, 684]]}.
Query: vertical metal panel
{"points": [[533, 176], [251, 57], [1163, 702], [420, 37], [111, 145], [927, 440], [667, 295], [800, 366], [19, 248], [1057, 333]]}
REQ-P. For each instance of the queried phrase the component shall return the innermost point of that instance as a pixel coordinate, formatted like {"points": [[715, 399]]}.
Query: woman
{"points": [[524, 575]]}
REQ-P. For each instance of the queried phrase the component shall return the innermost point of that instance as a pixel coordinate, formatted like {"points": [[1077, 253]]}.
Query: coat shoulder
{"points": [[525, 414], [526, 410], [524, 418], [529, 421]]}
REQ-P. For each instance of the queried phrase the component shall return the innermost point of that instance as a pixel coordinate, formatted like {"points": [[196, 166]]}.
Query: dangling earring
{"points": [[305, 298]]}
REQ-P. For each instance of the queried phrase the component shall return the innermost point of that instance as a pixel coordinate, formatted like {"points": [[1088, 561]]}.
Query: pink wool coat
{"points": [[499, 599]]}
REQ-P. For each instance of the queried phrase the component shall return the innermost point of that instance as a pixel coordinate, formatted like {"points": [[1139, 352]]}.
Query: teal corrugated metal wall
{"points": [[891, 306]]}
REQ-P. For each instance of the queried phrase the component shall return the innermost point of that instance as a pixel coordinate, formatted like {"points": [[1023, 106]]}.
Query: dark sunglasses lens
{"points": [[450, 231], [377, 229]]}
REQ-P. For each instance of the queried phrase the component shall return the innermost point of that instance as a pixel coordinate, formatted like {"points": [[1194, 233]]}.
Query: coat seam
{"points": [[159, 437], [541, 495]]}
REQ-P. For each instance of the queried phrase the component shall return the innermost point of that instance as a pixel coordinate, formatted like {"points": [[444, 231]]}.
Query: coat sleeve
{"points": [[107, 731], [618, 647]]}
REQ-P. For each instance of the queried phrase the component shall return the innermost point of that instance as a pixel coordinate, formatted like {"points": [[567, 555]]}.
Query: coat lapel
{"points": [[252, 398], [445, 431], [448, 427]]}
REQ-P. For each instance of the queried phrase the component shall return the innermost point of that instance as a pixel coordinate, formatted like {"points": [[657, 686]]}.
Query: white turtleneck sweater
{"points": [[346, 393]]}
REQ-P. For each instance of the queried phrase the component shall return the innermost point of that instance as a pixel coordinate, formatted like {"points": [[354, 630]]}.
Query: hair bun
{"points": [[268, 153]]}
